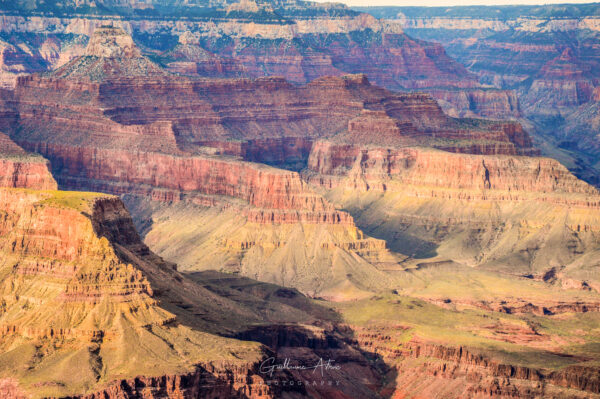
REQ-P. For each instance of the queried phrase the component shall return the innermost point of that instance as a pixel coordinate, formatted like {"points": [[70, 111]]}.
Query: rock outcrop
{"points": [[100, 293], [18, 169], [78, 287], [486, 103], [414, 167], [424, 357], [124, 141], [562, 82]]}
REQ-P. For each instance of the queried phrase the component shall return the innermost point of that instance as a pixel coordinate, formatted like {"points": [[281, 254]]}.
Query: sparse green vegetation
{"points": [[79, 201]]}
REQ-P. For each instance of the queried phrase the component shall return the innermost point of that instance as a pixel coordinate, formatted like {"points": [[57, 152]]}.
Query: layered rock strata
{"points": [[301, 42], [435, 203], [546, 54], [78, 287], [120, 143], [66, 279], [18, 169]]}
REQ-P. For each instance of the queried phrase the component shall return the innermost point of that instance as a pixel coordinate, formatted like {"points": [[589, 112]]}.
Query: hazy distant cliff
{"points": [[547, 54]]}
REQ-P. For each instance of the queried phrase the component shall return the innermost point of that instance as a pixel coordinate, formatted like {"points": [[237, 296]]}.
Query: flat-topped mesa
{"points": [[20, 169]]}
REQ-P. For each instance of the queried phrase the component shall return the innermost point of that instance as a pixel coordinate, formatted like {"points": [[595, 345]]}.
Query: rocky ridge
{"points": [[546, 54], [322, 40], [425, 193]]}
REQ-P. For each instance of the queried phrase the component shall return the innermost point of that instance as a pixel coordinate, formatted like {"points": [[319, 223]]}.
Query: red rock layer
{"points": [[219, 111], [26, 174], [409, 63], [124, 134], [21, 170], [276, 196], [221, 381], [299, 47], [92, 270], [575, 377]]}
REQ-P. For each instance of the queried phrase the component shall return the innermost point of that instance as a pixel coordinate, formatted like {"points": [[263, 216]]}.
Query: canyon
{"points": [[194, 143], [109, 291], [88, 310], [247, 220], [296, 40], [546, 54]]}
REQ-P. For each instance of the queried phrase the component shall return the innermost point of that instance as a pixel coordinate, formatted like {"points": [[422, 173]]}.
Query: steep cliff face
{"points": [[300, 41], [562, 82], [547, 58], [18, 169], [126, 142], [319, 46], [439, 169], [172, 146], [486, 103], [87, 310], [219, 113], [546, 54], [466, 208], [101, 295]]}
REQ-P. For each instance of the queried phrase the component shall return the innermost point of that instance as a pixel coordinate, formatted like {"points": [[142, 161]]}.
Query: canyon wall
{"points": [[96, 299], [546, 54], [186, 141], [472, 209], [75, 270], [18, 169], [214, 41], [445, 170]]}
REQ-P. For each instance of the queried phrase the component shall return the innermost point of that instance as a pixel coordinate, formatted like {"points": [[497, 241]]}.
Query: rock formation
{"points": [[472, 209], [18, 169], [300, 41], [546, 54], [100, 297], [120, 143], [562, 82]]}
